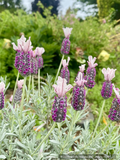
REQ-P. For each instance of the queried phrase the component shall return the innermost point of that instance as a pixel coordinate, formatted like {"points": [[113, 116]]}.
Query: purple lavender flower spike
{"points": [[34, 63], [82, 68], [39, 51], [65, 71], [2, 88], [109, 74], [79, 93], [18, 93], [91, 72], [114, 113], [19, 50], [60, 103], [22, 59], [66, 43]]}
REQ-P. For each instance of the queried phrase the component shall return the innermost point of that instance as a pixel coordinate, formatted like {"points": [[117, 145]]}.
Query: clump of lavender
{"points": [[64, 71], [66, 42], [22, 61], [114, 113], [91, 72], [18, 93], [33, 62], [79, 93], [109, 74], [82, 68], [39, 51], [60, 103], [2, 88]]}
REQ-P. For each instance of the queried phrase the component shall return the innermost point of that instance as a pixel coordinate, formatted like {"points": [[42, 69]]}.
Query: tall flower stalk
{"points": [[65, 71], [22, 59], [91, 72], [59, 69], [66, 42], [65, 48], [60, 103], [99, 118], [29, 88], [53, 126], [33, 83], [39, 51], [106, 91], [109, 74], [79, 93]]}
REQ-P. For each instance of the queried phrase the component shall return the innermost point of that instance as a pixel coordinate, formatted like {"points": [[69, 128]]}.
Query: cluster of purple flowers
{"points": [[81, 80], [27, 61]]}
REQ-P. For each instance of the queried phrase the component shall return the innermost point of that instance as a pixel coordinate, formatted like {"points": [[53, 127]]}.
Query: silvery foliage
{"points": [[62, 140]]}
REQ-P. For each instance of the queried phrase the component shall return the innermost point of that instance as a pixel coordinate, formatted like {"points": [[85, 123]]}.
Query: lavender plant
{"points": [[66, 43], [79, 93], [60, 103], [91, 72], [57, 132], [82, 68], [64, 71]]}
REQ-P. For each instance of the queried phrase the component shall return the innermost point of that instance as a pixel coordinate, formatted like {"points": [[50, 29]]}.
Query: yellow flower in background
{"points": [[104, 55], [7, 43], [104, 120]]}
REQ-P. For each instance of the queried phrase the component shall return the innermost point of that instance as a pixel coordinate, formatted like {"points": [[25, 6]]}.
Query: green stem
{"points": [[99, 117], [59, 69], [39, 81], [15, 88], [45, 138], [86, 91], [29, 88], [33, 84], [21, 107]]}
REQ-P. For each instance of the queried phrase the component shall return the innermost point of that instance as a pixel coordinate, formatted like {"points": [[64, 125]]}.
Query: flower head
{"points": [[80, 80], [2, 87], [27, 46], [39, 51], [62, 88], [67, 32], [65, 64], [33, 53], [20, 83], [109, 74], [82, 68], [22, 45], [91, 62]]}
